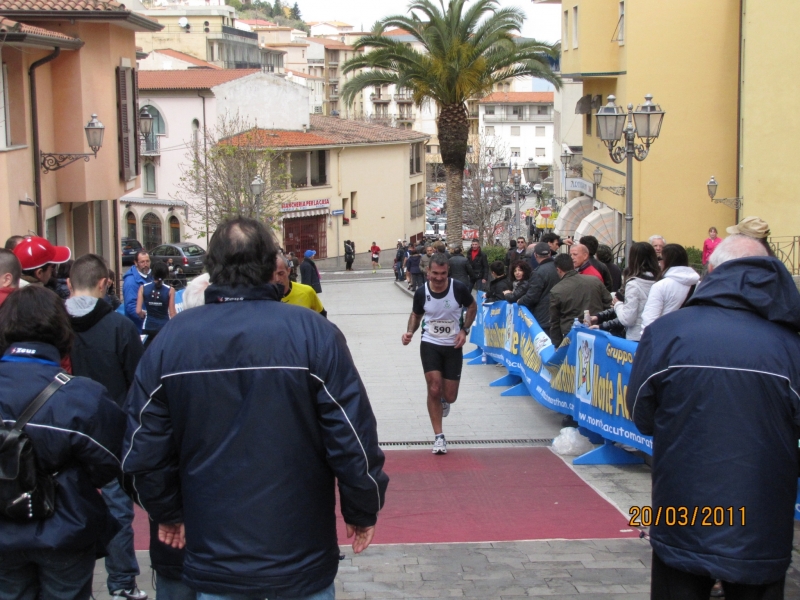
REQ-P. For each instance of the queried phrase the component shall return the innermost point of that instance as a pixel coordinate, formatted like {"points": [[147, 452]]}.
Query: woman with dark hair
{"points": [[606, 256], [77, 435], [673, 286], [639, 279], [521, 276], [156, 302]]}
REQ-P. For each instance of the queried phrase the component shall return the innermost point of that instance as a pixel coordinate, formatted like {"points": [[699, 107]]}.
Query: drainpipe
{"points": [[37, 172], [739, 157], [205, 163]]}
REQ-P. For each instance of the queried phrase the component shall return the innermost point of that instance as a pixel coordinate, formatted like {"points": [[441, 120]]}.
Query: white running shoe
{"points": [[445, 408], [440, 446]]}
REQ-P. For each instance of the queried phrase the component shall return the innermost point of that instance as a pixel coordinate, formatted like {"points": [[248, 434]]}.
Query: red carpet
{"points": [[481, 495]]}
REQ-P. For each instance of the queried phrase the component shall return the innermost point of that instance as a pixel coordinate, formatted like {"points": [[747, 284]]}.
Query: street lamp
{"points": [[734, 203], [94, 136], [501, 172], [256, 188], [597, 174], [145, 122], [613, 124]]}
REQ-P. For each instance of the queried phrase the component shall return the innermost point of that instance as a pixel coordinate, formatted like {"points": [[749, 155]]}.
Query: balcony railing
{"points": [[787, 250], [150, 145], [333, 79], [333, 95], [523, 118], [333, 62], [473, 114], [405, 117], [403, 98], [380, 98], [316, 61], [245, 34]]}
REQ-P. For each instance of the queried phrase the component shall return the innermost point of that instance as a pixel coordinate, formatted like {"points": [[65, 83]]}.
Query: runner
{"points": [[439, 305], [375, 251]]}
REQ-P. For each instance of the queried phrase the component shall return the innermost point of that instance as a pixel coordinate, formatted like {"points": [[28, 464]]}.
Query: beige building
{"points": [[81, 65], [335, 55], [210, 34], [374, 174]]}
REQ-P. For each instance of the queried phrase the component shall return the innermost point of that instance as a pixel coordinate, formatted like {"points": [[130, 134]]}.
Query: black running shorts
{"points": [[445, 359]]}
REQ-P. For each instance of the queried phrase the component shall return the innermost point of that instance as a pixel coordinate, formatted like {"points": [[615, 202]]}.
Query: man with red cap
{"points": [[38, 258]]}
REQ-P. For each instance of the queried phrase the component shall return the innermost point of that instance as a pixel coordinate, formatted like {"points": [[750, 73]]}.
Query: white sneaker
{"points": [[445, 408], [440, 446], [133, 594]]}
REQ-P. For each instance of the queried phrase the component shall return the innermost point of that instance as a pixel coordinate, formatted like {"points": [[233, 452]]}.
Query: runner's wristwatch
{"points": [[465, 329]]}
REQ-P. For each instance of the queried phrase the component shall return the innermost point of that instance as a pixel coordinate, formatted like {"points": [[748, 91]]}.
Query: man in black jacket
{"points": [[107, 348], [309, 274], [480, 266], [543, 279], [244, 415], [724, 418]]}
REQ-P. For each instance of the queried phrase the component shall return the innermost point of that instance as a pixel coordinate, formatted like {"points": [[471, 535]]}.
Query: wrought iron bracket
{"points": [[617, 190], [734, 203], [55, 161]]}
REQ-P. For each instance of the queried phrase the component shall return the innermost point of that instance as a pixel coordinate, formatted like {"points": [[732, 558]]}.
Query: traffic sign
{"points": [[546, 212], [336, 213]]}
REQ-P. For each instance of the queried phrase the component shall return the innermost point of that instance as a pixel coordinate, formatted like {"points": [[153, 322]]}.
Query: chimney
{"points": [[305, 128]]}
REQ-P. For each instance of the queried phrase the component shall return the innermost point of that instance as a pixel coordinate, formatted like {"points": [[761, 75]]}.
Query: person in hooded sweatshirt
{"points": [[107, 349], [673, 287], [724, 419]]}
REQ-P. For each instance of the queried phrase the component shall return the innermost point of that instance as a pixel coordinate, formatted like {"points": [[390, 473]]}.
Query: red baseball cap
{"points": [[34, 252]]}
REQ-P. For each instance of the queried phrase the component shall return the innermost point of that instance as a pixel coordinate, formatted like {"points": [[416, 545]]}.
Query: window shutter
{"points": [[135, 106], [126, 119]]}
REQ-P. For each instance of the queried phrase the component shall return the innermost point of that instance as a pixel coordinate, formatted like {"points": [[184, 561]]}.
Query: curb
{"points": [[404, 287]]}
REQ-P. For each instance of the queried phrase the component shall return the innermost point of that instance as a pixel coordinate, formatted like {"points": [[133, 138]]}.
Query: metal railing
{"points": [[149, 145], [245, 34], [787, 250], [405, 117], [380, 98], [523, 118], [403, 98], [316, 61]]}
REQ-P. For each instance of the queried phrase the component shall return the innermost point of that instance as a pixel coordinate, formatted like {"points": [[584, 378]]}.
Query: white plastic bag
{"points": [[570, 442]]}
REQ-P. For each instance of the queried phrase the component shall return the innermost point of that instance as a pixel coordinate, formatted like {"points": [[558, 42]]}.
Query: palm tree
{"points": [[466, 51]]}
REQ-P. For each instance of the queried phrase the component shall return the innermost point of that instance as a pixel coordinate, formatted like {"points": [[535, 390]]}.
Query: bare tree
{"points": [[218, 171], [483, 207]]}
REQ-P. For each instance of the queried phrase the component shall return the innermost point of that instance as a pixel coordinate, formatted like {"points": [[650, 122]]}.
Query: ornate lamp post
{"points": [[513, 186], [613, 124], [256, 188], [94, 136]]}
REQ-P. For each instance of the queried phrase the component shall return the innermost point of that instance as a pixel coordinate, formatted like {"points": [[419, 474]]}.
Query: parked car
{"points": [[187, 258], [130, 247]]}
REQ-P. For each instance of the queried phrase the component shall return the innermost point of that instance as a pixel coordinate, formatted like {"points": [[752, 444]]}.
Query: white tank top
{"points": [[443, 317]]}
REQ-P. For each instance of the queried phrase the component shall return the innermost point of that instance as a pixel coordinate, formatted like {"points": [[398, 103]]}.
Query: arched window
{"points": [[159, 127], [174, 230], [131, 223], [149, 178], [151, 230]]}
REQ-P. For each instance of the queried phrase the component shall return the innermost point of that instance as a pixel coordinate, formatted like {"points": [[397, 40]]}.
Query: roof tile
{"points": [[186, 58], [28, 5], [328, 131], [518, 98], [9, 26], [330, 44], [190, 79]]}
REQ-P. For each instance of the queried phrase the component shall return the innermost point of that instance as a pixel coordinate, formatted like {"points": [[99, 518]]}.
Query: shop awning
{"points": [[572, 214], [299, 214], [602, 224]]}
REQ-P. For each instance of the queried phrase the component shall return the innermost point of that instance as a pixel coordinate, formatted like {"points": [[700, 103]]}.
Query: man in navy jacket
{"points": [[717, 385], [243, 415]]}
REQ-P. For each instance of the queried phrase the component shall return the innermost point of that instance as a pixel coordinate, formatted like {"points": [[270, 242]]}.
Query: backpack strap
{"points": [[688, 296], [37, 403]]}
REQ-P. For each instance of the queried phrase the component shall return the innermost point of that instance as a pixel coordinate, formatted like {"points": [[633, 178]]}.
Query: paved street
{"points": [[372, 312]]}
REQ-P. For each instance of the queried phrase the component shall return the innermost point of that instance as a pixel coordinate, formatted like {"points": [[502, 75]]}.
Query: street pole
{"points": [[629, 150], [516, 206], [338, 249]]}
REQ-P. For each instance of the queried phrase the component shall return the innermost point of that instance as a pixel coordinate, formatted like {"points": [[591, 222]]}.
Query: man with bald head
{"points": [[580, 260], [733, 402]]}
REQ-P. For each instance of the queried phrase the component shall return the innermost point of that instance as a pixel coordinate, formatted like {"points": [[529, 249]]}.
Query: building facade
{"points": [[86, 65]]}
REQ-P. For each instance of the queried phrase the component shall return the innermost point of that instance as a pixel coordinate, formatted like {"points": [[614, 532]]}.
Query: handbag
{"points": [[26, 493]]}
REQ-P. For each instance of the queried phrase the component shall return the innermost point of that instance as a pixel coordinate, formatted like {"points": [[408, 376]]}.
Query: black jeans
{"points": [[672, 584], [47, 574]]}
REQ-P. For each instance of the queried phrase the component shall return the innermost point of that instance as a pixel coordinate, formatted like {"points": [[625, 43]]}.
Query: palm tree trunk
{"points": [[453, 129]]}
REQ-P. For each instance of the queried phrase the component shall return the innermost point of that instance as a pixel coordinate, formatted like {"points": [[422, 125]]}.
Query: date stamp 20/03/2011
{"points": [[683, 516]]}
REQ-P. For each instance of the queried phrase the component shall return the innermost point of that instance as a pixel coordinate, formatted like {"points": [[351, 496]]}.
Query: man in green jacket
{"points": [[571, 296]]}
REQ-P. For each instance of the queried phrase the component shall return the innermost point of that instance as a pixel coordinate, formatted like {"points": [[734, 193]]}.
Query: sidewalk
{"points": [[372, 313]]}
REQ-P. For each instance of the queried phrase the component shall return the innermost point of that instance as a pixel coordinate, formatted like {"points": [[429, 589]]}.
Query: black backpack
{"points": [[26, 493]]}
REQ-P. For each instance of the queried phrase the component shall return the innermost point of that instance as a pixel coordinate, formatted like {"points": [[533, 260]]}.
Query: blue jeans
{"points": [[173, 589], [327, 594], [50, 574], [121, 563]]}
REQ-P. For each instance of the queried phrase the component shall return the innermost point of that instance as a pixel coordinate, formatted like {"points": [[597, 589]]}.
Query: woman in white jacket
{"points": [[673, 286], [639, 279]]}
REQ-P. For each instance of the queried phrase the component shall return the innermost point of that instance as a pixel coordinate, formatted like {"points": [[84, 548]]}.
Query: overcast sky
{"points": [[543, 20]]}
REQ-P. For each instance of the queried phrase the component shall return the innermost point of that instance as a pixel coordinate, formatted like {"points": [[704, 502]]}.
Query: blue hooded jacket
{"points": [[717, 384], [131, 282]]}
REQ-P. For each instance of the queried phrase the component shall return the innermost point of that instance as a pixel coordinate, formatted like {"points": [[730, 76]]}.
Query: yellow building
{"points": [[686, 54], [769, 122]]}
